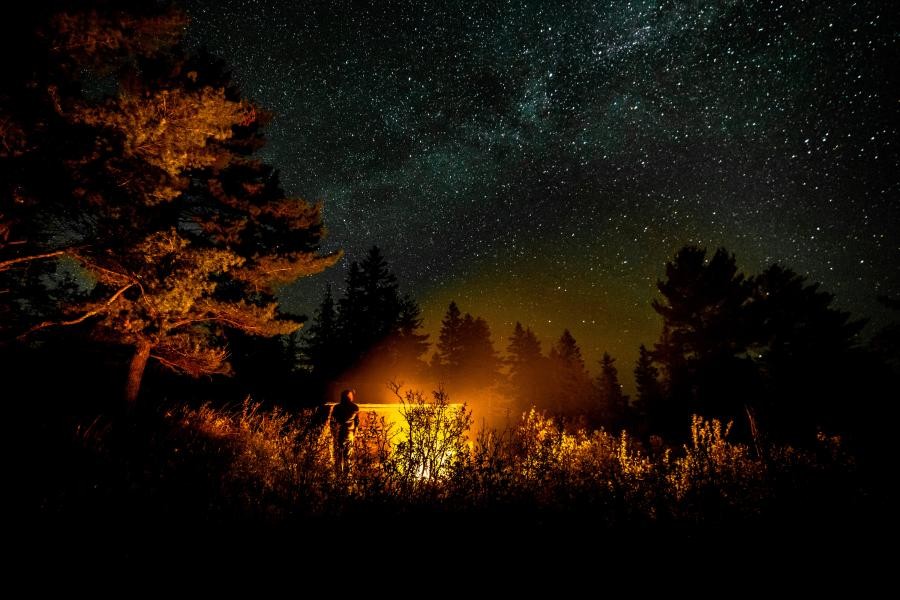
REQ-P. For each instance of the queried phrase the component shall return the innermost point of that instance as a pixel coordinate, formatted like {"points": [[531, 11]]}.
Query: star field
{"points": [[540, 161]]}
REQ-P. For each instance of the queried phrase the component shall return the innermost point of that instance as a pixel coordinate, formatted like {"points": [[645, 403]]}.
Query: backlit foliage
{"points": [[279, 464], [92, 37], [432, 436], [133, 158], [170, 130]]}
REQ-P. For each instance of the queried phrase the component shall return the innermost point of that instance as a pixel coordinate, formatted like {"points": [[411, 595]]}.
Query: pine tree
{"points": [[480, 361], [371, 306], [59, 50], [182, 234], [646, 377], [448, 358], [322, 349], [770, 346], [352, 307], [523, 345], [702, 304], [406, 345], [806, 355], [613, 403], [374, 335], [465, 359], [567, 352], [704, 335], [527, 368], [572, 388]]}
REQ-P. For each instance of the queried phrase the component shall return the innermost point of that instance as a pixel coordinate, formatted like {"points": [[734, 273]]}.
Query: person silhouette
{"points": [[345, 419]]}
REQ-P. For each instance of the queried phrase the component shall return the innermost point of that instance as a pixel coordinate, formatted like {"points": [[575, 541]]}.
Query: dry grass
{"points": [[252, 462]]}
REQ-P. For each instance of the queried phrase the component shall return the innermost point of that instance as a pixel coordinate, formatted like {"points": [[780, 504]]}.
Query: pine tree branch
{"points": [[217, 319], [92, 265], [14, 261], [82, 318]]}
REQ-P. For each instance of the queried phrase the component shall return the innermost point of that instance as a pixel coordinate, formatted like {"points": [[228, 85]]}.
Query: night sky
{"points": [[540, 161]]}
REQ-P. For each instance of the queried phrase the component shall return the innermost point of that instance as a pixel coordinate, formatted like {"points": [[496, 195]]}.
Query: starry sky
{"points": [[540, 161]]}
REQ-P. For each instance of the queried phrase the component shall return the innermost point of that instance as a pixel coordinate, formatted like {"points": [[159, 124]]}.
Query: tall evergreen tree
{"points": [[373, 337], [465, 359], [371, 306], [649, 394], [704, 336], [352, 307], [567, 352], [406, 345], [613, 402], [806, 353], [409, 323], [448, 358], [735, 348], [155, 196], [383, 302], [322, 350], [527, 368], [480, 361], [572, 390]]}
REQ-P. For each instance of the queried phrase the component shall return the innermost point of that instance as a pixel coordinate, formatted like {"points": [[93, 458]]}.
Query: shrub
{"points": [[271, 464]]}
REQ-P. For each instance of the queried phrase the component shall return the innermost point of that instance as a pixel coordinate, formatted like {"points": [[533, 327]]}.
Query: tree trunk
{"points": [[136, 373]]}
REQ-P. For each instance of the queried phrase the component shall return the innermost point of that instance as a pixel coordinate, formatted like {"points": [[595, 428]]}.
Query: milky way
{"points": [[539, 161]]}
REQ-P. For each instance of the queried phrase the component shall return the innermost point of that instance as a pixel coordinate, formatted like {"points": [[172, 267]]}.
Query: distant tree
{"points": [[371, 335], [480, 361], [649, 394], [321, 347], [370, 307], [705, 336], [770, 346], [528, 369], [156, 199], [613, 402], [806, 353], [448, 359], [572, 389], [406, 345], [885, 344], [465, 359]]}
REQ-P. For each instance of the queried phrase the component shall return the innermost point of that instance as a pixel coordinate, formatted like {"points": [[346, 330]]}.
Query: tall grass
{"points": [[267, 463]]}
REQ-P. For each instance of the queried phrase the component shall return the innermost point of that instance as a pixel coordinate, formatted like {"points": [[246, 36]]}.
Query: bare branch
{"points": [[82, 318], [216, 319], [109, 272], [6, 264]]}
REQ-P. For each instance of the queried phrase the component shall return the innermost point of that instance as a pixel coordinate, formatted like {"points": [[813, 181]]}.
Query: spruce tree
{"points": [[704, 337], [646, 378], [572, 391], [375, 333], [322, 349], [465, 358], [449, 355], [527, 368], [613, 403], [480, 364]]}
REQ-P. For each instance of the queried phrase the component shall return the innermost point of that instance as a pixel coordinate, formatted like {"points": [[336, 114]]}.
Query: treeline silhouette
{"points": [[769, 352], [371, 331]]}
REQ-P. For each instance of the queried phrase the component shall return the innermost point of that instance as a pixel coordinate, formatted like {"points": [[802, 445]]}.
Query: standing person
{"points": [[345, 419]]}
